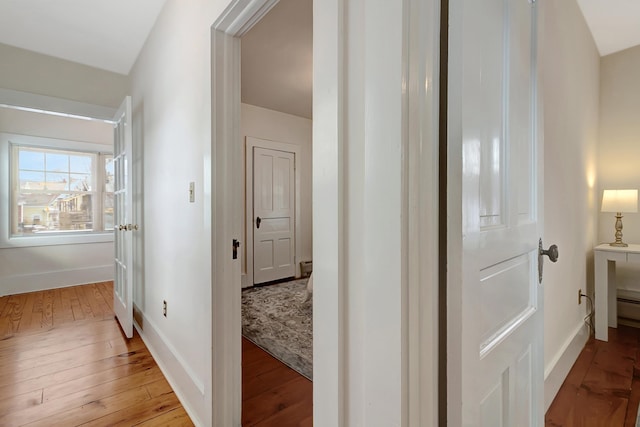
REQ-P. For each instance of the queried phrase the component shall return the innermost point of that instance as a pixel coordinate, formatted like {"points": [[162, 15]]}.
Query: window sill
{"points": [[57, 239]]}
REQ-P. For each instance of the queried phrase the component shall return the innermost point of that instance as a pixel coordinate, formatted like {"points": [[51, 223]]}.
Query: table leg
{"points": [[601, 296], [612, 294]]}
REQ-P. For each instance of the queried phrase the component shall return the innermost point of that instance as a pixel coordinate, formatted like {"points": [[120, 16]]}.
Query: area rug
{"points": [[278, 319]]}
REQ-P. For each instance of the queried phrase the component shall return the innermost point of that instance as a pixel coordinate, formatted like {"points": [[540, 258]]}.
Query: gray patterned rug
{"points": [[279, 320]]}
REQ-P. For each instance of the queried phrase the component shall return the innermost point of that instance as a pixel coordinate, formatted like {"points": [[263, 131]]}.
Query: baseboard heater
{"points": [[629, 308], [306, 267]]}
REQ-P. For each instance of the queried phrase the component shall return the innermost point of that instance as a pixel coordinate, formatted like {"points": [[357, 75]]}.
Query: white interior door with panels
{"points": [[273, 215], [123, 213], [501, 297]]}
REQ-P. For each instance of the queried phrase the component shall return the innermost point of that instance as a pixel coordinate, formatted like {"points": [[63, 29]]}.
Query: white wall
{"points": [[272, 125], [32, 72], [171, 90], [570, 79], [619, 149], [27, 269]]}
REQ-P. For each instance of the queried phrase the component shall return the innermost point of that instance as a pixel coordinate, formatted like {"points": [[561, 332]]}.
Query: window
{"points": [[58, 191]]}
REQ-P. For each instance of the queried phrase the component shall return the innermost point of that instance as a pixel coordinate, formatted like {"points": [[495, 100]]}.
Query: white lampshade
{"points": [[620, 201]]}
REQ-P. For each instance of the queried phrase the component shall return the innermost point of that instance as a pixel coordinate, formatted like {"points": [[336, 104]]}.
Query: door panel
{"points": [[484, 91], [273, 234], [520, 107], [502, 375], [492, 407], [283, 253], [123, 224], [523, 390], [504, 299]]}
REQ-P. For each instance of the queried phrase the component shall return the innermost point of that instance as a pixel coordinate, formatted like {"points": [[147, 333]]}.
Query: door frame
{"points": [[225, 198], [420, 309], [250, 143]]}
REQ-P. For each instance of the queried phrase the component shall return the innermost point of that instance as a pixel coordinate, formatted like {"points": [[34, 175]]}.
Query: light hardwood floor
{"points": [[65, 362]]}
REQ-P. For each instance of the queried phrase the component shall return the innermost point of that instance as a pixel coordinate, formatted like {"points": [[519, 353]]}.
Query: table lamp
{"points": [[619, 201]]}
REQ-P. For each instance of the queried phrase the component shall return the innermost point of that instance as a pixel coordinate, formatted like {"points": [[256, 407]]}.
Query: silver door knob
{"points": [[552, 253]]}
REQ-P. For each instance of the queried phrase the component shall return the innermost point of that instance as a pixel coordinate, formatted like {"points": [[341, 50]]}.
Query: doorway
{"points": [[413, 325], [228, 218], [276, 137]]}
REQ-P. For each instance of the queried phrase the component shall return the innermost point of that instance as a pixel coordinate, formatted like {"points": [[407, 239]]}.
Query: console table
{"points": [[606, 298]]}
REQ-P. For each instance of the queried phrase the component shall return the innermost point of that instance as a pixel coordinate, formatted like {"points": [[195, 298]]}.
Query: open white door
{"points": [[501, 316], [123, 224], [274, 215]]}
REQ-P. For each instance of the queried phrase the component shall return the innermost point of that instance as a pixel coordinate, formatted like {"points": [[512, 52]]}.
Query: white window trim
{"points": [[8, 241]]}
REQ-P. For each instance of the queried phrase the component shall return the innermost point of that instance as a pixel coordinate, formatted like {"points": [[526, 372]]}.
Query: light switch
{"points": [[192, 192]]}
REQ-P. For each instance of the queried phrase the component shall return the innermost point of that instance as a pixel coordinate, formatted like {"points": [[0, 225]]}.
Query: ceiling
{"points": [[615, 24], [276, 52], [277, 65], [102, 34]]}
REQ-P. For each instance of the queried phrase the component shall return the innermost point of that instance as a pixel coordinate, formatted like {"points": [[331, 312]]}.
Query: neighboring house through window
{"points": [[57, 189]]}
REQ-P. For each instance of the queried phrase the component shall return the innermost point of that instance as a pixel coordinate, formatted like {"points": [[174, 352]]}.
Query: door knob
{"points": [[552, 253], [258, 221]]}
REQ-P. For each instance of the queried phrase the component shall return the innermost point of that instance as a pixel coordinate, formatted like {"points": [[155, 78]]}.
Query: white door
{"points": [[123, 224], [502, 299], [273, 215]]}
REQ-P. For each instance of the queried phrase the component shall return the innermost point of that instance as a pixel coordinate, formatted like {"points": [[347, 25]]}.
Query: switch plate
{"points": [[192, 192]]}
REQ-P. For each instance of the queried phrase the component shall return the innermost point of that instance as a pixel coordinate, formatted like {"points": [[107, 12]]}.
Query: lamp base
{"points": [[619, 244]]}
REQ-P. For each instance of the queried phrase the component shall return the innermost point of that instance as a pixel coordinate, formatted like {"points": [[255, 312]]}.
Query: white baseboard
{"points": [[558, 368], [188, 388], [34, 282], [244, 280]]}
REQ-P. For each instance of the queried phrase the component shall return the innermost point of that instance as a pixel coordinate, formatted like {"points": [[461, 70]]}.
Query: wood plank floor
{"points": [[272, 393], [65, 362], [603, 387]]}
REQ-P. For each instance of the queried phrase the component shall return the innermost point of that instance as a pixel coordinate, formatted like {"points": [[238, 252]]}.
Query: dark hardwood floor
{"points": [[272, 393], [603, 387], [65, 362]]}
